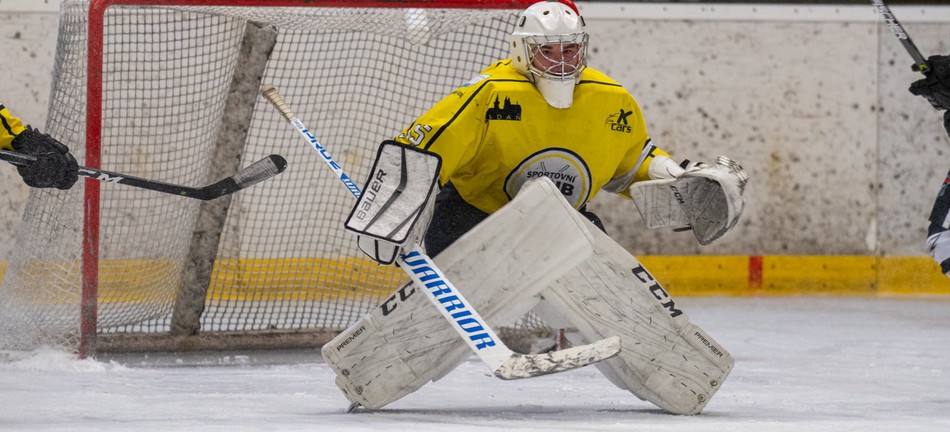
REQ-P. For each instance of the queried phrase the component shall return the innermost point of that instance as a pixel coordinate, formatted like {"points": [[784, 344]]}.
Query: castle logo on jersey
{"points": [[508, 111], [565, 168], [618, 122]]}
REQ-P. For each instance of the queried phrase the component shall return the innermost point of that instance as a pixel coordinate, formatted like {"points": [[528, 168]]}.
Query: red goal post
{"points": [[166, 89]]}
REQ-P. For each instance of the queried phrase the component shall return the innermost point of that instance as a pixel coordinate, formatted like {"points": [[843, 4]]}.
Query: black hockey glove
{"points": [[936, 86], [54, 166]]}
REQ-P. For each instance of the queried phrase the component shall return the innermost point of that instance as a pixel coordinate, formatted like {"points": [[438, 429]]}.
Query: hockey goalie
{"points": [[494, 180]]}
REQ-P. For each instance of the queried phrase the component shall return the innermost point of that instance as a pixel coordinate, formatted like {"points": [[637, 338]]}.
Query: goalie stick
{"points": [[257, 172], [920, 64], [489, 348]]}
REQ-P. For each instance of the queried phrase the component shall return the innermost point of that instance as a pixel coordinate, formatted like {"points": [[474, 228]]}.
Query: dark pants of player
{"points": [[939, 214], [453, 217]]}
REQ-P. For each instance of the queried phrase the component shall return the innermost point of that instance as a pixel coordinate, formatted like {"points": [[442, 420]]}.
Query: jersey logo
{"points": [[565, 168], [508, 111], [618, 122]]}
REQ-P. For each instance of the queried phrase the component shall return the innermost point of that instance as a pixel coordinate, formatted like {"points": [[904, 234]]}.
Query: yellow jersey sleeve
{"points": [[453, 128], [496, 132], [10, 127]]}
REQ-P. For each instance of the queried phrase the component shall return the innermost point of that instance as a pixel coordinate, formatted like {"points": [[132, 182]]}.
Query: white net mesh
{"points": [[282, 262]]}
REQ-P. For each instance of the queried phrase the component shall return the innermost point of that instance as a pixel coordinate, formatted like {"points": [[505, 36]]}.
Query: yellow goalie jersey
{"points": [[10, 127], [496, 132]]}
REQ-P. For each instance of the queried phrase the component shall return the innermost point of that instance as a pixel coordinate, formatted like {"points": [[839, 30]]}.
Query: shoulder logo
{"points": [[508, 111], [475, 79], [618, 122]]}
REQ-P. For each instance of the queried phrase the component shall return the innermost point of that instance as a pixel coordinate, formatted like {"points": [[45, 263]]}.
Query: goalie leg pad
{"points": [[500, 266], [665, 359], [396, 349]]}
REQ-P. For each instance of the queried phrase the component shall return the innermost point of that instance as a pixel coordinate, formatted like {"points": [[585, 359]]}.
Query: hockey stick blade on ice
{"points": [[920, 63], [257, 172], [503, 362]]}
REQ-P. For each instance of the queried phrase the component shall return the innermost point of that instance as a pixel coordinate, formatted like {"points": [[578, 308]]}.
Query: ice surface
{"points": [[812, 364]]}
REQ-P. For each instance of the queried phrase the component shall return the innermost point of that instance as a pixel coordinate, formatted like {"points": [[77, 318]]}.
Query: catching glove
{"points": [[54, 166], [704, 198]]}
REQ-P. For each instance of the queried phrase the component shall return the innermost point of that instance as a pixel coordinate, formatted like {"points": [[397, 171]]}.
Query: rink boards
{"points": [[680, 275]]}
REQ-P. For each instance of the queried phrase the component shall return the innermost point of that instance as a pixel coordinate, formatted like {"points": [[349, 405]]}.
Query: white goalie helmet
{"points": [[549, 46]]}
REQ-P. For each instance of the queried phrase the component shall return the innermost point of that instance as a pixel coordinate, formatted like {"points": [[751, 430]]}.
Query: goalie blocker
{"points": [[395, 197]]}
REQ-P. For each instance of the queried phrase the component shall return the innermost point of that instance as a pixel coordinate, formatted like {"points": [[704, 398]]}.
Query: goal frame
{"points": [[94, 118]]}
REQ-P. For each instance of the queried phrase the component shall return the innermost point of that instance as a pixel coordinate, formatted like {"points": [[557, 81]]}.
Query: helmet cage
{"points": [[556, 57], [546, 32]]}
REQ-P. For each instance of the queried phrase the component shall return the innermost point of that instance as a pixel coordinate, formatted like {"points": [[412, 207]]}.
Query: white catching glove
{"points": [[704, 198], [711, 197]]}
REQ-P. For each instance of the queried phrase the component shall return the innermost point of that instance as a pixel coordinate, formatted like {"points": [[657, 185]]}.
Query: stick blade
{"points": [[253, 174], [526, 366], [260, 171]]}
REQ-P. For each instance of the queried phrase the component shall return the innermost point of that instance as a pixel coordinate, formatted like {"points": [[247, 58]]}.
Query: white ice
{"points": [[811, 364]]}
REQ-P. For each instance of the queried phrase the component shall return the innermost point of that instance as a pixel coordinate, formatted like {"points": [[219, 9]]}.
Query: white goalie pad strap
{"points": [[400, 186], [665, 359], [380, 251], [499, 266]]}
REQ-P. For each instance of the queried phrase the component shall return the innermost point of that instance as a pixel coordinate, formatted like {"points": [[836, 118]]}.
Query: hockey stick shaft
{"points": [[920, 63], [271, 94], [255, 173], [464, 319]]}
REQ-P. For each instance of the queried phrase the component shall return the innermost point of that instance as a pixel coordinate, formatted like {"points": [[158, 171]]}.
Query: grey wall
{"points": [[29, 44], [811, 100]]}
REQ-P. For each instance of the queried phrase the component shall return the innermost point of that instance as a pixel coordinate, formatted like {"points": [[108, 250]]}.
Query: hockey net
{"points": [[168, 90]]}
